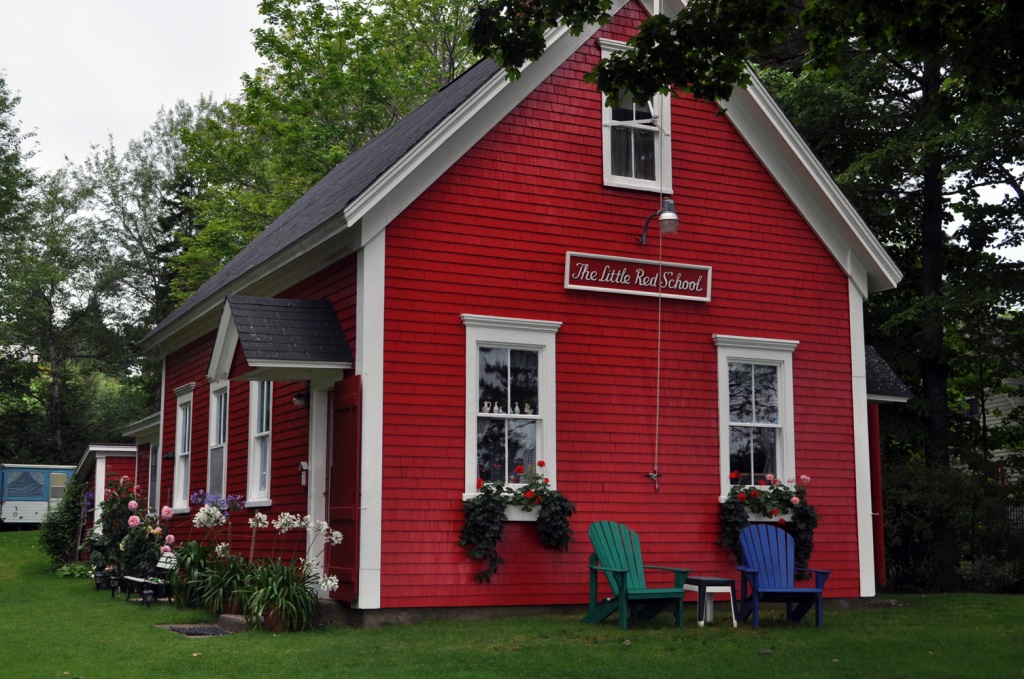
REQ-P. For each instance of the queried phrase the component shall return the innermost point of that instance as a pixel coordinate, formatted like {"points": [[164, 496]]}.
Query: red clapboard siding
{"points": [[490, 236], [290, 425]]}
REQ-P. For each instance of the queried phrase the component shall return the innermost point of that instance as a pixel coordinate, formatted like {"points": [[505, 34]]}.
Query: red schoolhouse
{"points": [[486, 285]]}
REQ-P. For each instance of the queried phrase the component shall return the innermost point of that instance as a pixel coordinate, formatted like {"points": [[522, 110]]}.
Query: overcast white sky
{"points": [[86, 68]]}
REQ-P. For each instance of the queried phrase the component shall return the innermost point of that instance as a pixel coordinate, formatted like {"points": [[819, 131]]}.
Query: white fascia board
{"points": [[765, 128], [878, 398], [404, 181]]}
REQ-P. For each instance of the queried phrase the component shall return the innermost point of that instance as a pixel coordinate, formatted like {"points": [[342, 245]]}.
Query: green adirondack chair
{"points": [[617, 555]]}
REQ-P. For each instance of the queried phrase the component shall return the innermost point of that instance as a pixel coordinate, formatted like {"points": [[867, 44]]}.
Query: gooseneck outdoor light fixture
{"points": [[668, 220]]}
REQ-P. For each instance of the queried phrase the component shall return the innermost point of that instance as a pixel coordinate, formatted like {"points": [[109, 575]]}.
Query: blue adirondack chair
{"points": [[768, 568], [617, 555]]}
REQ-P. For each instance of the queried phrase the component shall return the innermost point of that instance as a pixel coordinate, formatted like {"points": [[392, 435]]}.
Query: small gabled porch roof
{"points": [[281, 339]]}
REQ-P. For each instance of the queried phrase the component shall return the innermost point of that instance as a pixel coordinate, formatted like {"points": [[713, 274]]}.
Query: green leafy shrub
{"points": [[60, 529]]}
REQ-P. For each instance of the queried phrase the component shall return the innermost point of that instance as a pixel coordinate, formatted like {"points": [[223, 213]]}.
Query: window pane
{"points": [[624, 111], [622, 152], [766, 394], [525, 378], [522, 446], [752, 452], [263, 404], [263, 457], [741, 397], [643, 150], [764, 452], [490, 449], [494, 379], [154, 465], [220, 418], [186, 429], [216, 481]]}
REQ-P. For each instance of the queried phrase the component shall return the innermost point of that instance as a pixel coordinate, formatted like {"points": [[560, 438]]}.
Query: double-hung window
{"points": [[510, 399], [182, 447], [636, 141], [261, 402], [217, 459], [755, 383]]}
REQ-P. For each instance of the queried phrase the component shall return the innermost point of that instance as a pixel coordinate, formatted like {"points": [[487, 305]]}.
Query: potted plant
{"points": [[770, 500], [486, 513]]}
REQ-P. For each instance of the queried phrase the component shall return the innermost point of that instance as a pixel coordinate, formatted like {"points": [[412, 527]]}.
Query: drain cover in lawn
{"points": [[198, 630]]}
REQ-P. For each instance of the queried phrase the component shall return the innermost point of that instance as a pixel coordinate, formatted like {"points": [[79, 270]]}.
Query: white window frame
{"points": [[513, 333], [183, 446], [218, 437], [761, 351], [661, 108], [255, 495]]}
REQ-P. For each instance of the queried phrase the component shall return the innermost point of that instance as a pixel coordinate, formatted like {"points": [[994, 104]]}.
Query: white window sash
{"points": [[183, 447], [260, 426]]}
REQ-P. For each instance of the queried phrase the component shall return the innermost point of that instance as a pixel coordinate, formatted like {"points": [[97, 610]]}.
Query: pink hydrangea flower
{"points": [[165, 549], [134, 521], [133, 505], [166, 513], [169, 539]]}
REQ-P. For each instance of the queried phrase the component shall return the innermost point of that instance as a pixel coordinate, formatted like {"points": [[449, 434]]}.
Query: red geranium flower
{"points": [[755, 493], [734, 474], [742, 497], [775, 512], [540, 463], [528, 494], [782, 521], [519, 469], [479, 484]]}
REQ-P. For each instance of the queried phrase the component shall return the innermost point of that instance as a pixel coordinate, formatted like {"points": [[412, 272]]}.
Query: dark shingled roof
{"points": [[271, 329], [341, 186], [881, 380]]}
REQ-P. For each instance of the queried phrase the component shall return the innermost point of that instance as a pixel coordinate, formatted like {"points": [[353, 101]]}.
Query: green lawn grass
{"points": [[57, 627]]}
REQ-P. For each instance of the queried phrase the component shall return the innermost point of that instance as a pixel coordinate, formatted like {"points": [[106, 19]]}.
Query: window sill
{"points": [[257, 503], [181, 510]]}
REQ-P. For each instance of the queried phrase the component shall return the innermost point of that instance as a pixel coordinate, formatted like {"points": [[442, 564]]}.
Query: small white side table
{"points": [[706, 588]]}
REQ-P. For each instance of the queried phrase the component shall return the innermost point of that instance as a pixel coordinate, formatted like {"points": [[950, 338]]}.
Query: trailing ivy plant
{"points": [[784, 503], [484, 528]]}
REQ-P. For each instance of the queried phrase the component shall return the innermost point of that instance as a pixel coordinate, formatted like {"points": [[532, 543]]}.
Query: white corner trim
{"points": [[370, 366], [861, 446]]}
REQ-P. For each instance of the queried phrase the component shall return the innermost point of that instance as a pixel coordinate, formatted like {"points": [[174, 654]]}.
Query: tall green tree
{"points": [[336, 74], [59, 285], [15, 175]]}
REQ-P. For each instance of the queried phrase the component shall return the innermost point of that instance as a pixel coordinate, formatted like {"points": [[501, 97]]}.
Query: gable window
{"points": [[182, 447], [755, 387], [510, 398], [217, 459], [261, 401], [636, 142]]}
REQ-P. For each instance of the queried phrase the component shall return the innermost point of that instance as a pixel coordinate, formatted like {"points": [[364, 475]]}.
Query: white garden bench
{"points": [[154, 585]]}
